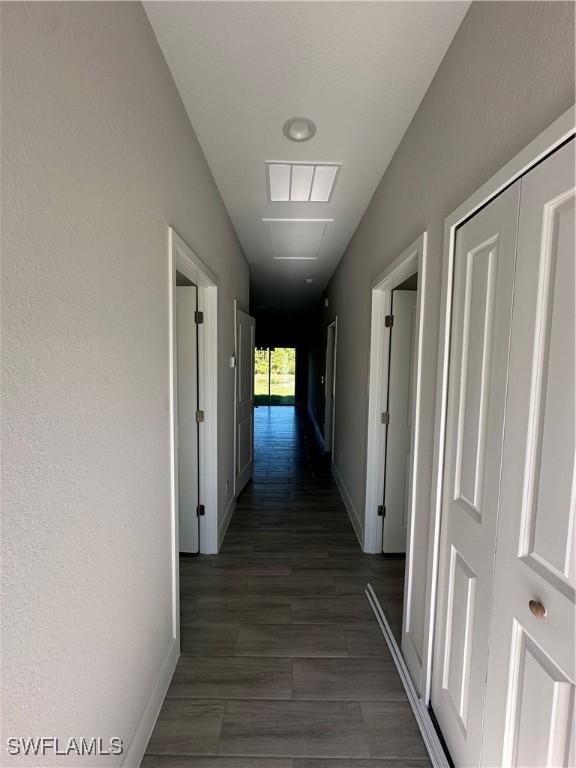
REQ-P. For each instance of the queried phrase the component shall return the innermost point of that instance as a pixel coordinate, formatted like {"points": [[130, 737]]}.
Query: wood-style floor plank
{"points": [[293, 728], [344, 679], [290, 640], [231, 677], [187, 727], [392, 730]]}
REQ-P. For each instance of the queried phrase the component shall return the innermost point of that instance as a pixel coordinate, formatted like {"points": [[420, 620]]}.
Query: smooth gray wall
{"points": [[508, 74], [98, 158]]}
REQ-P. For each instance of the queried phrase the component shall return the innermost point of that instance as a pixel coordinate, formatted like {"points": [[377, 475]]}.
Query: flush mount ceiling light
{"points": [[299, 129], [301, 182]]}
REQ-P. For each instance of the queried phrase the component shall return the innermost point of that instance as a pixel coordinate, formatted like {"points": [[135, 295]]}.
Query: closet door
{"points": [[482, 305], [530, 696]]}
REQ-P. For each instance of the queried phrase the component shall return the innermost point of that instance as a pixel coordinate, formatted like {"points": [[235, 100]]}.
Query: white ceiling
{"points": [[358, 69]]}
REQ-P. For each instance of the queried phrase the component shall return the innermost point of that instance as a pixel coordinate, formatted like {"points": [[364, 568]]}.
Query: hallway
{"points": [[281, 654]]}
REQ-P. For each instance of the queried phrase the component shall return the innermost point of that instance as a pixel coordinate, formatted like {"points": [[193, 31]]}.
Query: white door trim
{"points": [[555, 135], [412, 260], [182, 258]]}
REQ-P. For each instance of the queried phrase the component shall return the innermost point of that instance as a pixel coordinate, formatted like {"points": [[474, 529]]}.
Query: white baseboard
{"points": [[352, 514], [317, 430], [223, 527], [147, 720]]}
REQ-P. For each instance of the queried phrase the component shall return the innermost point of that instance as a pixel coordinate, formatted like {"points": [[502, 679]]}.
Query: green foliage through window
{"points": [[275, 376]]}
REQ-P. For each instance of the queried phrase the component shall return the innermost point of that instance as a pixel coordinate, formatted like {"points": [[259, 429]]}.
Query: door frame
{"points": [[329, 446], [563, 129], [182, 258], [237, 309], [410, 261]]}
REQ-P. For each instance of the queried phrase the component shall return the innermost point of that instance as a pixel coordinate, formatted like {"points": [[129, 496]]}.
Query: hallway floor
{"points": [[283, 664]]}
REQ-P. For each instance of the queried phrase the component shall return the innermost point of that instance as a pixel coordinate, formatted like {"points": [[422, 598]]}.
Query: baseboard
{"points": [[147, 720], [317, 430], [223, 527], [354, 519]]}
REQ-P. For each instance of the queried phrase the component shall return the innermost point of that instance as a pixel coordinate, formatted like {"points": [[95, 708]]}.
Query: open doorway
{"points": [[188, 414], [396, 495], [193, 370], [398, 417], [330, 386], [275, 376], [397, 420]]}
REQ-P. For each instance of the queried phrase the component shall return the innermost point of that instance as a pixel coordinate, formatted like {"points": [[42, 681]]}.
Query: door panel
{"points": [[482, 302], [244, 437], [459, 633], [474, 374], [543, 707], [531, 674], [399, 430], [187, 378]]}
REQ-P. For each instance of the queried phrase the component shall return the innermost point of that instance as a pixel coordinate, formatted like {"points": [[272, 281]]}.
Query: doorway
{"points": [[395, 492], [399, 417], [330, 386], [188, 414], [274, 376], [245, 332], [192, 402]]}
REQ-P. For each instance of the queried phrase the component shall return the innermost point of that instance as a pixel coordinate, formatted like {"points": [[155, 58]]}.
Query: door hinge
{"points": [[385, 418], [381, 510], [199, 417], [198, 317], [389, 321], [200, 510]]}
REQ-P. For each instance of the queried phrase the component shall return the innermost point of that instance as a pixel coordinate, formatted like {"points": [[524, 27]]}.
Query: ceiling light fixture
{"points": [[299, 129]]}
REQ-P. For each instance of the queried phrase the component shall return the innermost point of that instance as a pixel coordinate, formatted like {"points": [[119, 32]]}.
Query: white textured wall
{"points": [[508, 74], [98, 158]]}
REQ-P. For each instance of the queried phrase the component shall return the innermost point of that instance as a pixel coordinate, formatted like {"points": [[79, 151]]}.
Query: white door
{"points": [[531, 674], [482, 302], [330, 387], [245, 327], [399, 429], [187, 378]]}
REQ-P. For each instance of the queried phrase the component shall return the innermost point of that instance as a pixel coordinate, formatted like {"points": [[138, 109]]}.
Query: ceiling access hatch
{"points": [[296, 239], [301, 182]]}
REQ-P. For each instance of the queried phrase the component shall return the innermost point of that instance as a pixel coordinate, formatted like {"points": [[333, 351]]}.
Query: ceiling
{"points": [[357, 69]]}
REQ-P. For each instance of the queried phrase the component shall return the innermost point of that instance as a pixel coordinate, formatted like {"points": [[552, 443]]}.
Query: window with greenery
{"points": [[275, 376]]}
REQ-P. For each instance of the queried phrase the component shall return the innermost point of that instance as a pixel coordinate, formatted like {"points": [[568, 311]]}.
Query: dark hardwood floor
{"points": [[283, 664]]}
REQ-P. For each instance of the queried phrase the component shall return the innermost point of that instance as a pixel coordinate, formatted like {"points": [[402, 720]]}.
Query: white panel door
{"points": [[399, 429], [245, 328], [187, 378], [531, 674], [482, 302]]}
